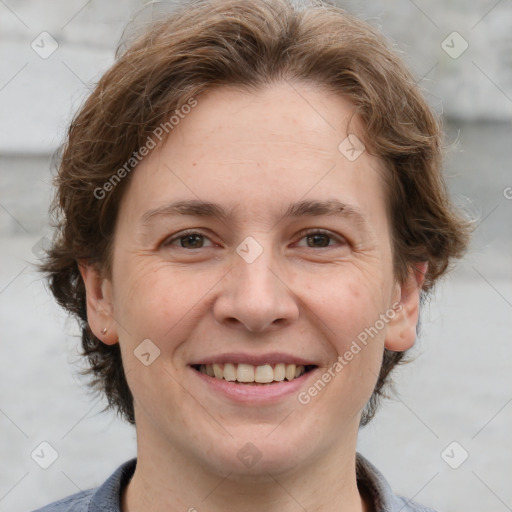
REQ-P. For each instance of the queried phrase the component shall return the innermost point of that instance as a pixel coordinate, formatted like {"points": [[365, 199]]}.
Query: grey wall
{"points": [[39, 94]]}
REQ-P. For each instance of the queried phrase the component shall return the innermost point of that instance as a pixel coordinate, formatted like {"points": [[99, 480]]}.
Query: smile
{"points": [[250, 374]]}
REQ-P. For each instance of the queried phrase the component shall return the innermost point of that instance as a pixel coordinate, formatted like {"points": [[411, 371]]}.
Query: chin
{"points": [[258, 466], [253, 457]]}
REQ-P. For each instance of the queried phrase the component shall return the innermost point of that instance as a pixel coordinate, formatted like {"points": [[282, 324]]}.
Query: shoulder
{"points": [[76, 503], [105, 498], [405, 505], [384, 499]]}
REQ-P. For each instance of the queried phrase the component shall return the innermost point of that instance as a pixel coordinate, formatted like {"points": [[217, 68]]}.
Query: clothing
{"points": [[106, 498]]}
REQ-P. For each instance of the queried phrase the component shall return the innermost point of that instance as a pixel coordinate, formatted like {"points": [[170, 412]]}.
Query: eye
{"points": [[318, 239], [315, 239], [187, 240]]}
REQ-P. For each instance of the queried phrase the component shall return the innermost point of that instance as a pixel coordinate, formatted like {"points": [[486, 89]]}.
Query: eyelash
{"points": [[309, 232]]}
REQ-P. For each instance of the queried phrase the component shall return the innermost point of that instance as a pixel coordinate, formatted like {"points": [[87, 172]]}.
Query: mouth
{"points": [[251, 375]]}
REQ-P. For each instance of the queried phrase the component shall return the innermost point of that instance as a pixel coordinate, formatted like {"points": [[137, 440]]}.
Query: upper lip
{"points": [[254, 359]]}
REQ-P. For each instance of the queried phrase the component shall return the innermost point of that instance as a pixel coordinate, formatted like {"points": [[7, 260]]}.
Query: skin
{"points": [[253, 153]]}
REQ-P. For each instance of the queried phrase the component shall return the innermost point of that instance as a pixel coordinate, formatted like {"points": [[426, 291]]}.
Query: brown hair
{"points": [[246, 44]]}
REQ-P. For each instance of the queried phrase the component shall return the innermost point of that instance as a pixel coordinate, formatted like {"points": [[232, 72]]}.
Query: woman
{"points": [[251, 208]]}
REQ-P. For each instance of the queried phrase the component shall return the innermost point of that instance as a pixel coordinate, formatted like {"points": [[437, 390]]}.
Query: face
{"points": [[289, 266]]}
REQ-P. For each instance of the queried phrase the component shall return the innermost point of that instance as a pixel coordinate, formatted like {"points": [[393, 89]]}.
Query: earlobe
{"points": [[401, 332], [99, 304]]}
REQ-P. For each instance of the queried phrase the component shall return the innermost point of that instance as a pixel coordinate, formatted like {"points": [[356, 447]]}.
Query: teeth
{"points": [[229, 372], [245, 373], [248, 373], [217, 371], [264, 374], [290, 372], [279, 371]]}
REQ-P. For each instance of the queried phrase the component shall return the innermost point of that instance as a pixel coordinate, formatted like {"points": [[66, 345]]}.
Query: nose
{"points": [[255, 296]]}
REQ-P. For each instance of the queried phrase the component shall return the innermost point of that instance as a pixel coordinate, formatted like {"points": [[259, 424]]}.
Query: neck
{"points": [[169, 480]]}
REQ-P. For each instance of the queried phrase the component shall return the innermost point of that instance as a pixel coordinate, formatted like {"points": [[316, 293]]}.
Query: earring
{"points": [[104, 330]]}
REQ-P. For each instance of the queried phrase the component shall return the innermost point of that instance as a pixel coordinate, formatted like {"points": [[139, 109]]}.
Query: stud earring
{"points": [[104, 330]]}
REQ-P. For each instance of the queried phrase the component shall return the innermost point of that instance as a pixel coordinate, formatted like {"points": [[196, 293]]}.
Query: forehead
{"points": [[255, 151]]}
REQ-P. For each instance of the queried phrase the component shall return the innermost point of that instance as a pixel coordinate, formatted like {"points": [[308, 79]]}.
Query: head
{"points": [[254, 107]]}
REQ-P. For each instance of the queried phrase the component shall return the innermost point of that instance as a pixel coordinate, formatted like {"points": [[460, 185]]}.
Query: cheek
{"points": [[349, 303], [347, 313], [157, 301], [349, 310]]}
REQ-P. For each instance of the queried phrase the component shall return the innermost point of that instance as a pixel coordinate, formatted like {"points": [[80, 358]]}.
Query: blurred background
{"points": [[444, 438]]}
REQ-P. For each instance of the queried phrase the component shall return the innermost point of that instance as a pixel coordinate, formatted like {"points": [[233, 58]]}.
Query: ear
{"points": [[99, 304], [401, 331]]}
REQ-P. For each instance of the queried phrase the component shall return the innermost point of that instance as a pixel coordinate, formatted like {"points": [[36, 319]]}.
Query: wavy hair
{"points": [[247, 44]]}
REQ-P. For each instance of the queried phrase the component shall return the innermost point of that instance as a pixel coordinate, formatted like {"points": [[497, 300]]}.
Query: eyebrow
{"points": [[205, 209]]}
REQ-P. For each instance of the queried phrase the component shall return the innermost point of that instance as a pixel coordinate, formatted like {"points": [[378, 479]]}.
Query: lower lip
{"points": [[254, 394]]}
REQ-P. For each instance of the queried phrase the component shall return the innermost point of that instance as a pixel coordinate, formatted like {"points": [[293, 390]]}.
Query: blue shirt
{"points": [[107, 497]]}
